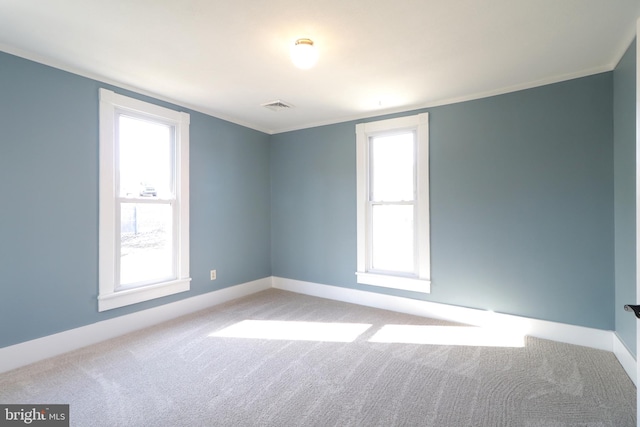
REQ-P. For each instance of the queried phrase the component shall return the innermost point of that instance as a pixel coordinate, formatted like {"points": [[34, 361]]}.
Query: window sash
{"points": [[412, 257], [172, 158], [391, 137], [373, 162], [173, 237], [170, 199]]}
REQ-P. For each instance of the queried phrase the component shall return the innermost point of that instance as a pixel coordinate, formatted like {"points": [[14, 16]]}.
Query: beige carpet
{"points": [[199, 371]]}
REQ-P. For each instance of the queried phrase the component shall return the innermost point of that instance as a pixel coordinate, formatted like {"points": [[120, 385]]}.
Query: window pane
{"points": [[146, 251], [146, 158], [392, 238], [392, 167]]}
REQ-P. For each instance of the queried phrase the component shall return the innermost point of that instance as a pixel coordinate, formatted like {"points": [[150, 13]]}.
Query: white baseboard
{"points": [[571, 334], [625, 358], [562, 332], [28, 352], [25, 353]]}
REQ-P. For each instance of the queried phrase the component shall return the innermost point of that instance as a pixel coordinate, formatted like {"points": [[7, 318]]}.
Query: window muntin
{"points": [[392, 239], [392, 167], [393, 203], [144, 201], [146, 156]]}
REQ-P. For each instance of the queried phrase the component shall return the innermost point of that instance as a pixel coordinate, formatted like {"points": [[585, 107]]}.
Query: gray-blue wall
{"points": [[521, 204], [49, 207], [624, 131]]}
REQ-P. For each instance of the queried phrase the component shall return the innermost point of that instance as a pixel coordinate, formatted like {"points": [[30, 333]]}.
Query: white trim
{"points": [[183, 196], [624, 45], [109, 297], [135, 295], [137, 106], [419, 280], [395, 282], [571, 334], [625, 358], [398, 123], [453, 99], [28, 352], [424, 210], [51, 62], [637, 196]]}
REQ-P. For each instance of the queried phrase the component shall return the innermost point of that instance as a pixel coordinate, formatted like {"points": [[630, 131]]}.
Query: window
{"points": [[393, 203], [144, 201]]}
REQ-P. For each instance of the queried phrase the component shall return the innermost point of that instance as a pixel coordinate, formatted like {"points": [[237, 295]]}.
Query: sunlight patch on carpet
{"points": [[293, 330], [448, 335]]}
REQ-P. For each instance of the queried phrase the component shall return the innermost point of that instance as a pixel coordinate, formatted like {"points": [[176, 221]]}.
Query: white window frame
{"points": [[110, 296], [420, 280]]}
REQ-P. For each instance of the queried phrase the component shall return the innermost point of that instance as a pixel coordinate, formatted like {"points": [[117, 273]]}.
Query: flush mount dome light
{"points": [[304, 54]]}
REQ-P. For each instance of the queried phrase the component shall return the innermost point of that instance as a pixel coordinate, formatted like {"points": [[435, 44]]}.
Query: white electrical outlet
{"points": [[213, 275]]}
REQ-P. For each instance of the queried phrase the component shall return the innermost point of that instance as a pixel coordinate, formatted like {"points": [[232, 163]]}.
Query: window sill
{"points": [[395, 282], [145, 293]]}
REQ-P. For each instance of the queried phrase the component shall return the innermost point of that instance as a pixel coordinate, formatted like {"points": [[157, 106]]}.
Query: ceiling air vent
{"points": [[277, 105]]}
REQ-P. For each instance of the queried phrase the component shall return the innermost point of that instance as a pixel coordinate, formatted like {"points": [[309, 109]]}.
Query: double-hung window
{"points": [[393, 203], [144, 201]]}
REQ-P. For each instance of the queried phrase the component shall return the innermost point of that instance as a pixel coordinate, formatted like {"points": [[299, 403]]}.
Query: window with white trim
{"points": [[393, 203], [144, 201]]}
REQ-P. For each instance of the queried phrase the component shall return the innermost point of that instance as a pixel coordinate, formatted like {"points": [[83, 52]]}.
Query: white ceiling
{"points": [[226, 57]]}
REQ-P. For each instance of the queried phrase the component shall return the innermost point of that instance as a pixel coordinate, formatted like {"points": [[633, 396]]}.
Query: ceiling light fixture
{"points": [[304, 54]]}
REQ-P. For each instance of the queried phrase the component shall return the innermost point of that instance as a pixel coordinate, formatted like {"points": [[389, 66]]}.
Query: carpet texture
{"points": [[197, 371]]}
